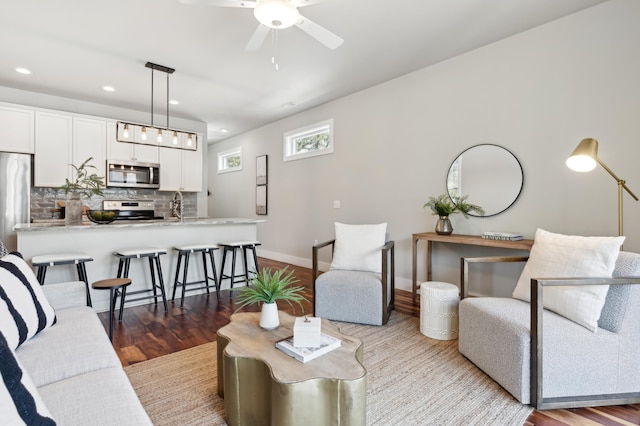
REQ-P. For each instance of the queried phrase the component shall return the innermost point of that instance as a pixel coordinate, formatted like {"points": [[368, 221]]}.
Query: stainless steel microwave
{"points": [[130, 174]]}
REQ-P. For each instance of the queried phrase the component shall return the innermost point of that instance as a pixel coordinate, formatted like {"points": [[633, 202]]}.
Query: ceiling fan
{"points": [[277, 14]]}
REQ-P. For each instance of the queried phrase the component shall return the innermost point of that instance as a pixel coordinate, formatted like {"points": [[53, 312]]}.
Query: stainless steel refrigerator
{"points": [[15, 192]]}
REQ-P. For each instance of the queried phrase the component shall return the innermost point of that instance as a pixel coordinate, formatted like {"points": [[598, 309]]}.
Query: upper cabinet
{"points": [[16, 129], [117, 150], [181, 169], [54, 133], [62, 140]]}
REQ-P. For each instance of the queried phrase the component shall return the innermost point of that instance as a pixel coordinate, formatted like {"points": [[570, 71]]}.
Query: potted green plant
{"points": [[443, 206], [266, 288], [84, 184]]}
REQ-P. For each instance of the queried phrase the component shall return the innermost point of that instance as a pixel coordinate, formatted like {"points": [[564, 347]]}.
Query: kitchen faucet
{"points": [[177, 205]]}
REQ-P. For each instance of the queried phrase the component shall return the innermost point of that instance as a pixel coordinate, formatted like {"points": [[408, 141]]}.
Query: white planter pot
{"points": [[269, 319]]}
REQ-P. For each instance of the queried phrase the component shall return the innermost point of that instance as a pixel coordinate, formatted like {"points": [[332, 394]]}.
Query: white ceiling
{"points": [[74, 47]]}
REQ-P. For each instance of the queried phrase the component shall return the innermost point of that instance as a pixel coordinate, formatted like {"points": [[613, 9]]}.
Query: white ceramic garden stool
{"points": [[439, 310]]}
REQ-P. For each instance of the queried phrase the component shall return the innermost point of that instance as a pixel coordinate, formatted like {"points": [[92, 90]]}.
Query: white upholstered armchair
{"points": [[360, 285], [566, 355]]}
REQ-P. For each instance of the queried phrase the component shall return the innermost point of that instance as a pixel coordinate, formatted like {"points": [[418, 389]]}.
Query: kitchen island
{"points": [[100, 241]]}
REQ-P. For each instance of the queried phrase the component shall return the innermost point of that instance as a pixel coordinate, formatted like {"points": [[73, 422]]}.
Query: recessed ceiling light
{"points": [[174, 102], [224, 130], [108, 89], [23, 71]]}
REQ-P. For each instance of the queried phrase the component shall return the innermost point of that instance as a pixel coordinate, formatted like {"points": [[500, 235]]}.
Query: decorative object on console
{"points": [[137, 133], [267, 288], [443, 206], [506, 236], [584, 159], [85, 184]]}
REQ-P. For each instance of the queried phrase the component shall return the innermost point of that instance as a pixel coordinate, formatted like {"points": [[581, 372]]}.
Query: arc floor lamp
{"points": [[584, 159]]}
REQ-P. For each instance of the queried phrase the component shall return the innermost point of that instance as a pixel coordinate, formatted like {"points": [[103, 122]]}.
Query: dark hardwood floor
{"points": [[148, 332]]}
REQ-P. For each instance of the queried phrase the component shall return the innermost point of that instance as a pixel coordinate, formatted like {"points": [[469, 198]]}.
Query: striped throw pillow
{"points": [[20, 402], [24, 310]]}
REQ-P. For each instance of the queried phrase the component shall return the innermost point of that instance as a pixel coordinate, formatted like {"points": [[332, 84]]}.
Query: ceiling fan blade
{"points": [[257, 38], [247, 4], [302, 3], [320, 33]]}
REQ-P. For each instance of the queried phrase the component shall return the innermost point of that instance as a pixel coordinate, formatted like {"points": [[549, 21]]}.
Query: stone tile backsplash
{"points": [[45, 200]]}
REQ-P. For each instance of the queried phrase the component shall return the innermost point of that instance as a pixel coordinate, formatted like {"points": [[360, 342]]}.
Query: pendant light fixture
{"points": [[125, 130]]}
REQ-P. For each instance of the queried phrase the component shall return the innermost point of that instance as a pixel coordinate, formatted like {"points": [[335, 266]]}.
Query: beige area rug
{"points": [[411, 380]]}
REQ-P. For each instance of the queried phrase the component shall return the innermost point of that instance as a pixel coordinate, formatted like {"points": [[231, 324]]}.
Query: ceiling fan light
{"points": [[277, 14]]}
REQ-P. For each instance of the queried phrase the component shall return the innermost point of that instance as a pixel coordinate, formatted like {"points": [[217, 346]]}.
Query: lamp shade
{"points": [[276, 13], [585, 157]]}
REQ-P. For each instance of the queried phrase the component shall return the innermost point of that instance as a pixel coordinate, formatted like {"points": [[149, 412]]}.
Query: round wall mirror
{"points": [[489, 174]]}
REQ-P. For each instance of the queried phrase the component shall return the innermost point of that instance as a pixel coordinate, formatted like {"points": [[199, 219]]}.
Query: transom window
{"points": [[230, 160], [309, 141]]}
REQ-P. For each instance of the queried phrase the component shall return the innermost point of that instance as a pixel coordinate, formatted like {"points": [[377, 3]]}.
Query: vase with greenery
{"points": [[443, 206], [85, 183], [267, 287]]}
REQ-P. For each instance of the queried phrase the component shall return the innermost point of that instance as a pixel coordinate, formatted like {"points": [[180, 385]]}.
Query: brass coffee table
{"points": [[263, 386]]}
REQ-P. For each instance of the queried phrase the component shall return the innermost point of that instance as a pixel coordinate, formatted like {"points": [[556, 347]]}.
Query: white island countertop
{"points": [[101, 241], [58, 224]]}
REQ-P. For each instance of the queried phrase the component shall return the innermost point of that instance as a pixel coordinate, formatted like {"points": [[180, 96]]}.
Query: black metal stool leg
{"points": [[82, 275], [185, 270], [233, 266], [161, 279], [153, 281], [216, 281], [206, 272], [123, 292], [243, 253], [175, 281], [111, 308]]}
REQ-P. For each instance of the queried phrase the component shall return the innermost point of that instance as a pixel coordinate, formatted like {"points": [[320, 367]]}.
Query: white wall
{"points": [[537, 94]]}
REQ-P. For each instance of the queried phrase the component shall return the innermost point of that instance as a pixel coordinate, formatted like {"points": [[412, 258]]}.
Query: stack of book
{"points": [[508, 236], [304, 354]]}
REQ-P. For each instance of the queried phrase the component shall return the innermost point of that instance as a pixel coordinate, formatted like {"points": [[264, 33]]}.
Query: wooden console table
{"points": [[472, 240]]}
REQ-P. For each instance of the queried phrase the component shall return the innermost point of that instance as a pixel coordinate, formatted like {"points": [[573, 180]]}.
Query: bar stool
{"points": [[78, 259], [185, 252], [233, 248], [153, 254], [117, 287]]}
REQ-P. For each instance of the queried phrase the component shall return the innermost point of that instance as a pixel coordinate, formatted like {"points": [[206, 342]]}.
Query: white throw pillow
{"points": [[24, 310], [561, 256], [357, 247], [20, 402]]}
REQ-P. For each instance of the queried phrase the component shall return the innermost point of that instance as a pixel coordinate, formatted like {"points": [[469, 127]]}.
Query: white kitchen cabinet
{"points": [[62, 140], [17, 129], [53, 149], [181, 169], [129, 151], [90, 140]]}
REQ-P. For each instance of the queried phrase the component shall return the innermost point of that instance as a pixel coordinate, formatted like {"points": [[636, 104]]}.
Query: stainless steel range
{"points": [[132, 209]]}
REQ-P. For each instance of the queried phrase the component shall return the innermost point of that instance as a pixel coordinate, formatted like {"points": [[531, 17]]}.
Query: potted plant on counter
{"points": [[443, 206], [266, 288], [84, 184]]}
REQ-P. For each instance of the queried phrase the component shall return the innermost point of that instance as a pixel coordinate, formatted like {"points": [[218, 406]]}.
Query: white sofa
{"points": [[74, 366]]}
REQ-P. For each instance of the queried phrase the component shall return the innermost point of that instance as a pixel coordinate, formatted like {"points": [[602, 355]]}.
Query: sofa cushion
{"points": [[357, 247], [23, 300], [20, 401], [556, 256], [102, 396], [76, 345]]}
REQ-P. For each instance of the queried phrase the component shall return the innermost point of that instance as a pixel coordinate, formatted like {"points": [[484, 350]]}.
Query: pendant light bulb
{"points": [[189, 140], [159, 135], [125, 131], [175, 138], [143, 135]]}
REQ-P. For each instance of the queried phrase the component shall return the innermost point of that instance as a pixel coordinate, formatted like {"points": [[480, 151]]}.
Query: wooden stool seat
{"points": [[116, 286], [56, 259]]}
